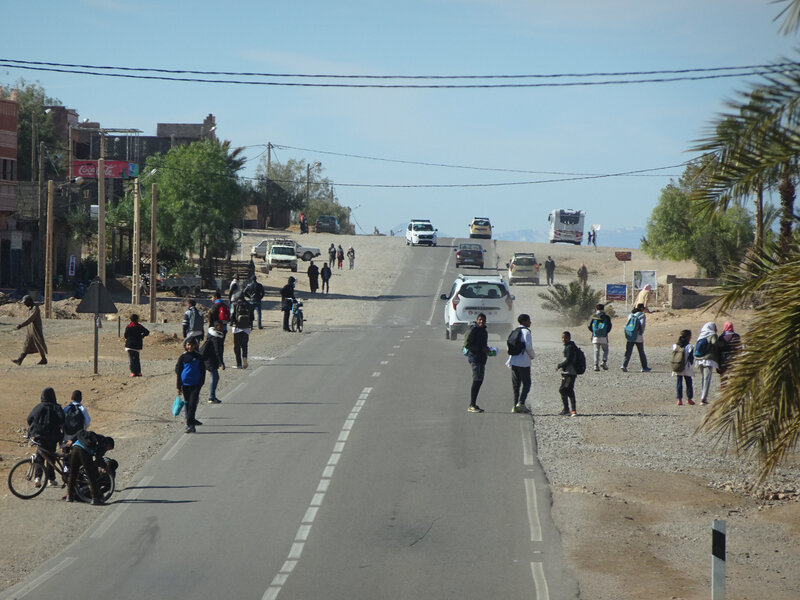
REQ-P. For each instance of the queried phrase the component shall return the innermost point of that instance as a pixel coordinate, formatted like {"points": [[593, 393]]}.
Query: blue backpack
{"points": [[599, 327], [192, 372], [632, 327]]}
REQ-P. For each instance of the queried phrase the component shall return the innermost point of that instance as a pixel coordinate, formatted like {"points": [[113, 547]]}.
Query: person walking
{"points": [[222, 313], [287, 296], [706, 356], [550, 269], [682, 359], [134, 334], [325, 274], [211, 351], [332, 254], [34, 339], [191, 375], [476, 343], [45, 424], [351, 256], [76, 417], [340, 256], [255, 291], [193, 322], [583, 274], [520, 363], [644, 296], [233, 288], [568, 375], [730, 344], [634, 336], [303, 223], [241, 324], [600, 326], [313, 277], [87, 451]]}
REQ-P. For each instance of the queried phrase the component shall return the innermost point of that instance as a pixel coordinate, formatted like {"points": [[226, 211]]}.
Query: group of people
{"points": [[710, 352], [50, 425], [336, 257]]}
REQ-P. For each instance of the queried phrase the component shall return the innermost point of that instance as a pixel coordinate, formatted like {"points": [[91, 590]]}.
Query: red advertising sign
{"points": [[114, 169], [624, 256]]}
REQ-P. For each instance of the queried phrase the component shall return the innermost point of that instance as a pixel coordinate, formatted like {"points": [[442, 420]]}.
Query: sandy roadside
{"points": [[627, 512]]}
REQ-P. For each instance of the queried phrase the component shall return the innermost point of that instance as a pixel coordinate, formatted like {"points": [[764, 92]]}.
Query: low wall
{"points": [[681, 292]]}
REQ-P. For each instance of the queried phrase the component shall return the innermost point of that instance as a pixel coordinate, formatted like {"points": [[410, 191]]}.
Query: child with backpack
{"points": [[241, 324], [681, 363], [634, 336], [76, 417], [706, 356], [600, 326]]}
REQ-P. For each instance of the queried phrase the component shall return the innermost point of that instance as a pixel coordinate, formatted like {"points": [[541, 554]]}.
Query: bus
{"points": [[566, 225]]}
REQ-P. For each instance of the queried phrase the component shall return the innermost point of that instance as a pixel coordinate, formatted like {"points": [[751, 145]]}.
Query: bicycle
{"points": [[22, 477], [297, 316]]}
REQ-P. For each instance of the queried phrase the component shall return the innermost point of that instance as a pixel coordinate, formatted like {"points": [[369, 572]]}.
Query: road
{"points": [[348, 468]]}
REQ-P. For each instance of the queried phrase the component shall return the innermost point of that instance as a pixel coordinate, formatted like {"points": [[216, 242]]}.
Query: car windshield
{"points": [[325, 219], [482, 290], [525, 261], [423, 227], [283, 250], [481, 222], [475, 247]]}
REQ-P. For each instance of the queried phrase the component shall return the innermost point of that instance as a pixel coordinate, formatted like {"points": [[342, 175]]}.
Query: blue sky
{"points": [[586, 129]]}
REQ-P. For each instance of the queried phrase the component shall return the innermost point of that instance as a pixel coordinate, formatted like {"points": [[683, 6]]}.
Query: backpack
{"points": [[703, 347], [191, 373], [678, 360], [580, 361], [515, 342], [73, 420], [600, 327], [243, 320], [632, 327]]}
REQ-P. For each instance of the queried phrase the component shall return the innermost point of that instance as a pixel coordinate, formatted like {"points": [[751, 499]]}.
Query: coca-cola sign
{"points": [[113, 169]]}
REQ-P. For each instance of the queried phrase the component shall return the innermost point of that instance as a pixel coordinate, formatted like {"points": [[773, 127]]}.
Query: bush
{"points": [[576, 302]]}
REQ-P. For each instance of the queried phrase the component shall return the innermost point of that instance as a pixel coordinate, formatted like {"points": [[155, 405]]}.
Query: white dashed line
{"points": [[45, 576], [376, 374], [539, 581], [384, 362], [174, 450], [120, 508], [533, 510], [527, 451]]}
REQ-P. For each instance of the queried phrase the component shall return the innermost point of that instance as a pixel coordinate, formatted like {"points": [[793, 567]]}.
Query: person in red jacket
{"points": [[134, 333]]}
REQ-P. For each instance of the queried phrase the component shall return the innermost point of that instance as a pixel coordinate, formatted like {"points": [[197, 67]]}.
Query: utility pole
{"points": [[136, 235], [69, 151], [308, 180], [269, 158], [40, 197], [33, 145], [153, 255], [48, 262], [101, 211]]}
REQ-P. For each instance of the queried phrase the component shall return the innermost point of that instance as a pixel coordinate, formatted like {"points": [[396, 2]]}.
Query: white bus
{"points": [[566, 225]]}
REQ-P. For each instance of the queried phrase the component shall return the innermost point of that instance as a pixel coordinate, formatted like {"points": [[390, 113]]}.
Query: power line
{"points": [[760, 71]]}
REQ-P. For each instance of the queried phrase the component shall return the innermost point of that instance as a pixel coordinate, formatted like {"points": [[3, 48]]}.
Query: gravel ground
{"points": [[634, 490]]}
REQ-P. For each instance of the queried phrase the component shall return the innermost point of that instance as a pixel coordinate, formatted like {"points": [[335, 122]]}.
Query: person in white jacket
{"points": [[520, 365]]}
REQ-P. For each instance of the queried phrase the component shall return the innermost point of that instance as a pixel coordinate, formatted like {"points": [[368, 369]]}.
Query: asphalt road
{"points": [[348, 468]]}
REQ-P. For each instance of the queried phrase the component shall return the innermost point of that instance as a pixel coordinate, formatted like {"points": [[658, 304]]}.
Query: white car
{"points": [[261, 249], [282, 257], [420, 231], [474, 294]]}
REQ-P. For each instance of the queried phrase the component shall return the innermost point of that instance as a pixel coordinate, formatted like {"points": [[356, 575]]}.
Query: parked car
{"points": [[523, 267], [473, 294], [282, 257], [261, 249], [469, 254], [480, 228], [327, 224], [420, 231]]}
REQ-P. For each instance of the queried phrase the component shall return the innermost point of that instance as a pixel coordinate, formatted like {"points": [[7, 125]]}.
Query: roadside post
{"points": [[718, 560], [625, 258], [97, 300]]}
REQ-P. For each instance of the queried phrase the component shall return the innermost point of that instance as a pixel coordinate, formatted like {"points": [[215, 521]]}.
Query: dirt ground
{"points": [[607, 522]]}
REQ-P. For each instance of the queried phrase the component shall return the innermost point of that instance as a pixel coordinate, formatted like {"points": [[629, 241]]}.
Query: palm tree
{"points": [[791, 15]]}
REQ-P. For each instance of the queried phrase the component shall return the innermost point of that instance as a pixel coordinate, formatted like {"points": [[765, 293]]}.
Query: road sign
{"points": [[616, 291], [626, 256], [96, 300]]}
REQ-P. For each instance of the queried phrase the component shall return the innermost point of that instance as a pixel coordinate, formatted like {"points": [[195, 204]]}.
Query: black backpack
{"points": [[580, 361], [515, 342], [73, 419]]}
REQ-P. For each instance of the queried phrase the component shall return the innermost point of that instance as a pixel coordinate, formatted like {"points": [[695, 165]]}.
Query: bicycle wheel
{"points": [[293, 325], [21, 480], [299, 322], [105, 481]]}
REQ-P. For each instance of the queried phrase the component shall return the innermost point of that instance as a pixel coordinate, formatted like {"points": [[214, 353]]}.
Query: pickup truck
{"points": [[282, 257], [181, 284], [261, 249]]}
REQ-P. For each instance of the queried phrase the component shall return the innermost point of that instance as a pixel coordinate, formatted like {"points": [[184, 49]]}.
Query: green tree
{"points": [[199, 199], [575, 301], [675, 231], [32, 99]]}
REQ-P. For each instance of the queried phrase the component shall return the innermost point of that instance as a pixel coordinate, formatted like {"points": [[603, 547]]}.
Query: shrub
{"points": [[576, 302]]}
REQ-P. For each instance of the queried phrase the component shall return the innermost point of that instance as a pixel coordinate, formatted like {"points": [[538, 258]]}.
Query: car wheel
{"points": [[447, 334], [307, 256], [480, 266], [453, 335]]}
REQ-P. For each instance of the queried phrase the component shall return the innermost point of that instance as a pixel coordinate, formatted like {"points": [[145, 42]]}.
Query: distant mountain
{"points": [[623, 237]]}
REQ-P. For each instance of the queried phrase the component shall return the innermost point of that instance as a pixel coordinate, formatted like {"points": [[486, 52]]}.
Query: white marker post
{"points": [[718, 560]]}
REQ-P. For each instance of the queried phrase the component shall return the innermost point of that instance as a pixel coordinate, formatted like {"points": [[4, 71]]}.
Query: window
{"points": [[482, 290]]}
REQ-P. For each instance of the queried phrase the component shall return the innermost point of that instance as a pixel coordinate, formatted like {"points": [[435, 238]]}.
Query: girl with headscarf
{"points": [[729, 345], [706, 357]]}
